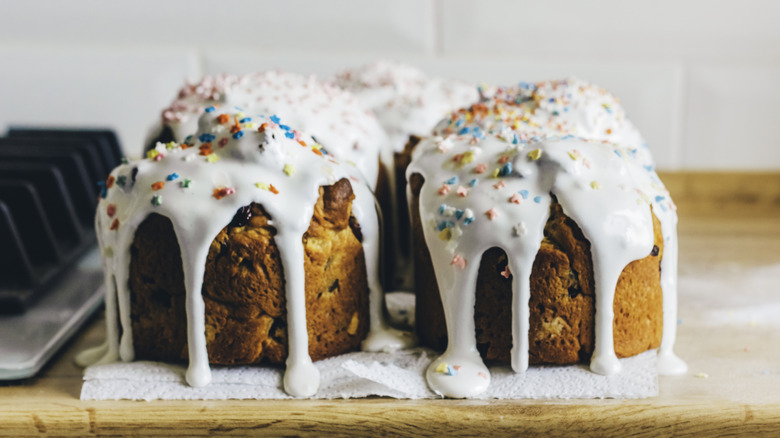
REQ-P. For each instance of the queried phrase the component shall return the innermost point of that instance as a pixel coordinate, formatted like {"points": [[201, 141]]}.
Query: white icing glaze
{"points": [[405, 100], [550, 108], [332, 116], [483, 191], [235, 159]]}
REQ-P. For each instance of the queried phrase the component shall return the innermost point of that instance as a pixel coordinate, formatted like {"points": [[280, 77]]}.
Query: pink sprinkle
{"points": [[159, 157], [483, 375], [586, 163], [506, 273], [499, 185], [111, 210], [481, 168], [473, 140], [444, 189], [747, 349], [457, 157], [459, 261], [491, 214], [222, 142], [456, 367], [462, 191], [516, 198], [503, 159]]}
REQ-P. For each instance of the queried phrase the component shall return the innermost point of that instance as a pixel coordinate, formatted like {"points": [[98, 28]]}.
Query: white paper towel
{"points": [[399, 375]]}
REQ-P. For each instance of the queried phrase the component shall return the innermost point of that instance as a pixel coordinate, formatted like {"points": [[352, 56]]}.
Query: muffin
{"points": [[248, 243]]}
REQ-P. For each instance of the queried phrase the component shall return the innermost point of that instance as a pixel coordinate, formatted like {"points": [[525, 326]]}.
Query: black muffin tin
{"points": [[48, 194]]}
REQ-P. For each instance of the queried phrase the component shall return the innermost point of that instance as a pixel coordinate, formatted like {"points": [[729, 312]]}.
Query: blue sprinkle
{"points": [[451, 371], [245, 120], [567, 136], [609, 110], [555, 113], [289, 134], [238, 135], [450, 224], [538, 199], [468, 220], [103, 189], [172, 177], [663, 207], [464, 131], [506, 169], [523, 193], [632, 152], [649, 168], [617, 152], [206, 138], [442, 208], [442, 225], [210, 109], [274, 118], [285, 127], [453, 180], [516, 139], [187, 140], [566, 109], [473, 182], [239, 109], [679, 322], [551, 100], [659, 198], [458, 214], [459, 123]]}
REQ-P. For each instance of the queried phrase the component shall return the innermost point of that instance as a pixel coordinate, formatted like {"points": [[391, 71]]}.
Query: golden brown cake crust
{"points": [[562, 301], [244, 286]]}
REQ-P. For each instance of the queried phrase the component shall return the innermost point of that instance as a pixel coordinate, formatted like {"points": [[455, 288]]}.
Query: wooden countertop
{"points": [[733, 386]]}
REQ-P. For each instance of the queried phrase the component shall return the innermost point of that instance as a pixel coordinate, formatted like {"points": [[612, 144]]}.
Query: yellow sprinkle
{"points": [[171, 145], [316, 146], [263, 186], [495, 173], [573, 156], [441, 368], [212, 158], [595, 185], [535, 154], [467, 158], [239, 115], [250, 125], [289, 169], [151, 154], [445, 234], [697, 375]]}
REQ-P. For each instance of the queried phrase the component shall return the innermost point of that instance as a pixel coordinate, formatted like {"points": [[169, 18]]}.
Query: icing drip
{"points": [[332, 116], [232, 161], [486, 190], [405, 100]]}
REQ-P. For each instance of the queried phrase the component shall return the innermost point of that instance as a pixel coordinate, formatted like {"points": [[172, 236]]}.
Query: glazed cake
{"points": [[521, 155], [247, 243]]}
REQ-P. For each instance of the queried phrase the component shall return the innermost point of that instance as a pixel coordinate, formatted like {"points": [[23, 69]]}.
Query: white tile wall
{"points": [[698, 77]]}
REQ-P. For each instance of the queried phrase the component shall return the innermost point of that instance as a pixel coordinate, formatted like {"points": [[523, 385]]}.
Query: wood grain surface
{"points": [[717, 227]]}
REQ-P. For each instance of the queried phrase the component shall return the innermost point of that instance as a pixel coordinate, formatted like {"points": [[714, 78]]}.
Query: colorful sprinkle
{"points": [[238, 134], [220, 193], [535, 154], [499, 185], [110, 181], [515, 198], [172, 177], [111, 210], [462, 191], [275, 119], [443, 190], [121, 181], [473, 182], [441, 368], [481, 168], [223, 118], [156, 200], [453, 180], [205, 138], [212, 158], [595, 185], [103, 189], [458, 261], [506, 169], [523, 193], [114, 225], [158, 185], [492, 213], [289, 169], [537, 199], [152, 154], [506, 273]]}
